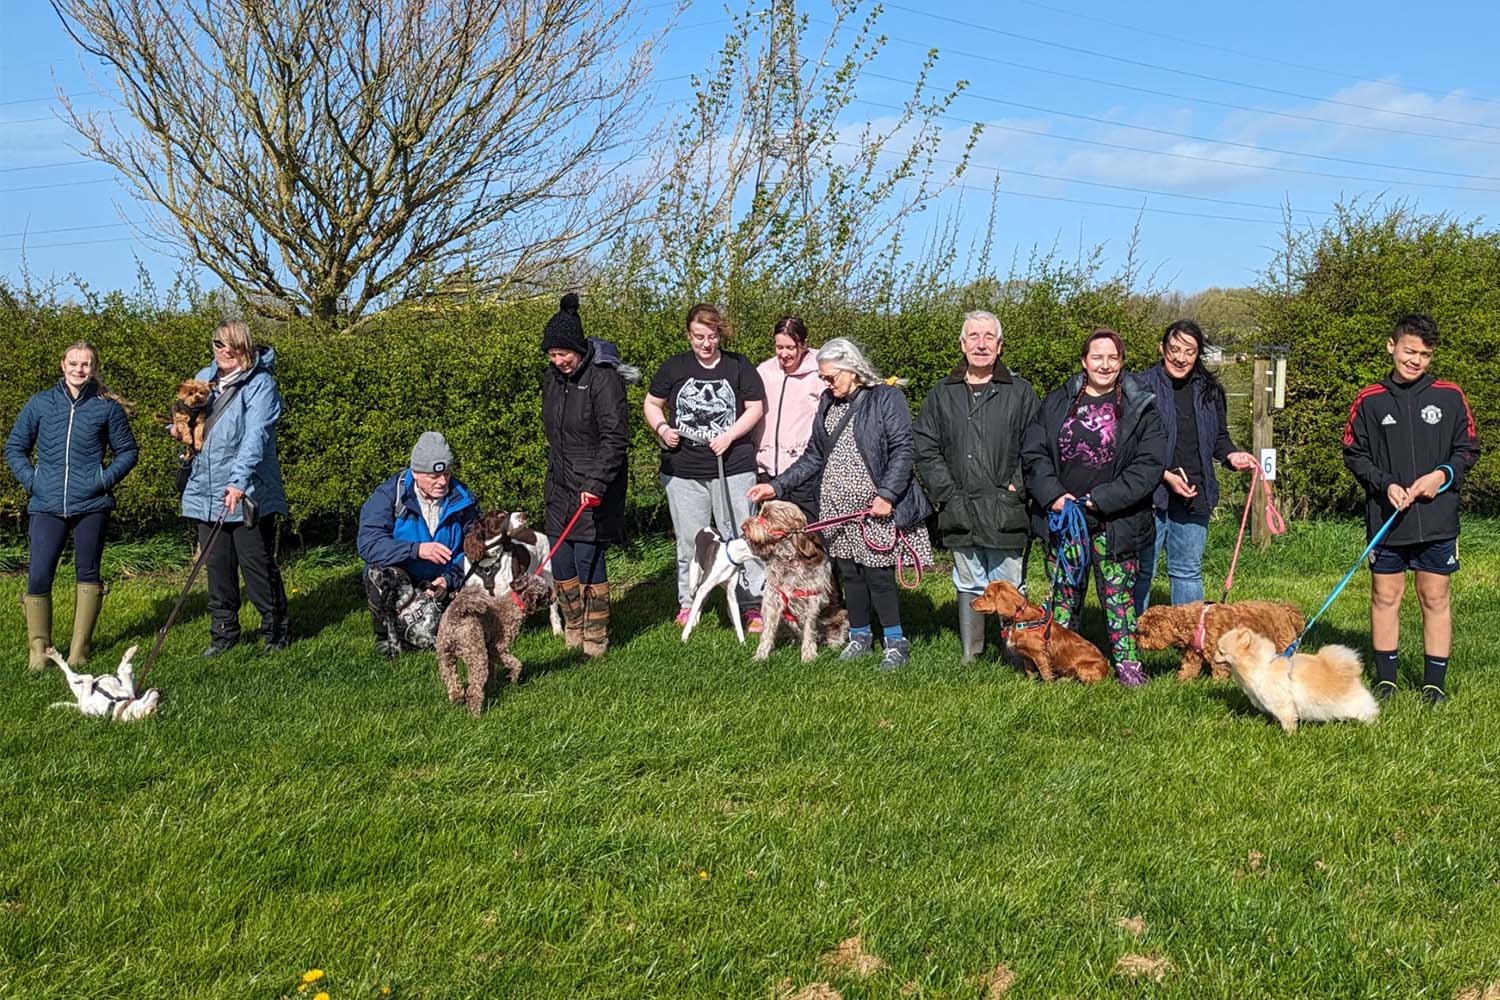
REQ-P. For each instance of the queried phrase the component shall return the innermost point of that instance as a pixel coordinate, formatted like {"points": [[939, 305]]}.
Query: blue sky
{"points": [[1284, 101]]}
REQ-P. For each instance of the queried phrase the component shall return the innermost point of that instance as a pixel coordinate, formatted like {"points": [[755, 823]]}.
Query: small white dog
{"points": [[111, 695], [508, 553], [1326, 686], [717, 563]]}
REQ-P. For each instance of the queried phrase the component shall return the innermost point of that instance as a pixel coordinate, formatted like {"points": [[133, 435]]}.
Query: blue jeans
{"points": [[1183, 536]]}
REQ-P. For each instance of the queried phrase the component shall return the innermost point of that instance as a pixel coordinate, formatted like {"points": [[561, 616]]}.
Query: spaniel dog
{"points": [[1326, 686], [1178, 627], [500, 549], [1063, 652], [799, 580], [477, 630], [190, 414], [107, 695]]}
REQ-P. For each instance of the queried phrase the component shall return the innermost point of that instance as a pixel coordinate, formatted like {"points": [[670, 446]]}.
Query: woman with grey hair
{"points": [[861, 455]]}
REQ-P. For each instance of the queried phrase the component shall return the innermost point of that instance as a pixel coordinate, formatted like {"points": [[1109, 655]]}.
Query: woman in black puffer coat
{"points": [[57, 450], [584, 418]]}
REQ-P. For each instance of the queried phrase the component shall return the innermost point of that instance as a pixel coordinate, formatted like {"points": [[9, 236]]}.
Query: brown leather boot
{"points": [[570, 603], [595, 619], [38, 629], [90, 598]]}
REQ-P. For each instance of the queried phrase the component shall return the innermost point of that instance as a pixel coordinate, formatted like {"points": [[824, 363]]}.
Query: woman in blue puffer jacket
{"points": [[69, 428], [237, 475]]}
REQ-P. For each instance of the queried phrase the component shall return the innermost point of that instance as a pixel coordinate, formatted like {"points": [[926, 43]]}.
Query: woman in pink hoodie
{"points": [[792, 389]]}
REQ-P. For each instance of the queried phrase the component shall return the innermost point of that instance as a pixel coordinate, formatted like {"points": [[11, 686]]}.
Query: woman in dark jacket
{"points": [[1191, 403], [583, 415], [71, 426], [1099, 441], [862, 457]]}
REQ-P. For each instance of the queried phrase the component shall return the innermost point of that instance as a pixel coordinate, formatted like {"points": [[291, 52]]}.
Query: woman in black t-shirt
{"points": [[1099, 440], [704, 405]]}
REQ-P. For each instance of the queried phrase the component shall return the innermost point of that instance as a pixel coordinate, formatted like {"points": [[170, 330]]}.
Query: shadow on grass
{"points": [[335, 597]]}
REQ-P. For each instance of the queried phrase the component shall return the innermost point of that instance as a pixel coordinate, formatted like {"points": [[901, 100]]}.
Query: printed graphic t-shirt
{"points": [[702, 403], [1086, 445]]}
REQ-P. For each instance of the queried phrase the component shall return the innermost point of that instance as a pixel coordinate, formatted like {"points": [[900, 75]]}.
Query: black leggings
{"points": [[48, 534], [584, 560], [867, 585]]}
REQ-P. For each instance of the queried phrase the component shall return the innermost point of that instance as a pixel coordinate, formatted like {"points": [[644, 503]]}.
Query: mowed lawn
{"points": [[678, 821]]}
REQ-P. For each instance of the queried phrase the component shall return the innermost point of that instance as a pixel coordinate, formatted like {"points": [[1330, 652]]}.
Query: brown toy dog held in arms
{"points": [[189, 414], [1172, 627], [1064, 654], [1326, 686], [799, 581], [478, 629]]}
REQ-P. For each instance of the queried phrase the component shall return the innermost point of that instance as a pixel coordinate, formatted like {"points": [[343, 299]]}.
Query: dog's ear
{"points": [[520, 562], [807, 547], [474, 548], [523, 535]]}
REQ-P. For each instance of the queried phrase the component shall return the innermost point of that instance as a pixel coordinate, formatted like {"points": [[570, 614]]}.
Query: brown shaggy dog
{"points": [[1065, 653], [478, 629], [799, 581], [1172, 627], [190, 413]]}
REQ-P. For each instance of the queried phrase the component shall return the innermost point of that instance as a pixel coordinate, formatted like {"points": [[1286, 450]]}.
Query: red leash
{"points": [[1275, 524], [899, 539], [583, 505]]}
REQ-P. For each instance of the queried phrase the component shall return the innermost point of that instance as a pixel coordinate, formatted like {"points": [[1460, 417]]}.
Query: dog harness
{"points": [[786, 601]]}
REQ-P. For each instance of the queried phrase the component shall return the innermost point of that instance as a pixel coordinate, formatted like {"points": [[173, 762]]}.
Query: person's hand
{"points": [[720, 444], [176, 432], [1178, 484], [761, 492], [437, 588], [1397, 495], [588, 499], [1426, 487], [1242, 460], [880, 508], [232, 497], [1057, 505], [668, 435], [434, 552]]}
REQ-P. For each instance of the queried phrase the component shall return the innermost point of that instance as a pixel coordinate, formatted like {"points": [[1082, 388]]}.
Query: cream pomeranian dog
{"points": [[1325, 686]]}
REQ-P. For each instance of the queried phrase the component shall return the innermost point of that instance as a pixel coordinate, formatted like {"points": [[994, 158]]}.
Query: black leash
{"points": [[161, 633]]}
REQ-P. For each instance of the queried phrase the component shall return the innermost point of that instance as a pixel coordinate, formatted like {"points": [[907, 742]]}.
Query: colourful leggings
{"points": [[1115, 579]]}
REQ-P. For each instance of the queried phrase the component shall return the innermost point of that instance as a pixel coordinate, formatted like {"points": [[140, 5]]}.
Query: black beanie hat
{"points": [[565, 330]]}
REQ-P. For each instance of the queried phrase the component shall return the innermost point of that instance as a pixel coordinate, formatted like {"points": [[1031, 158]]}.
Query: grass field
{"points": [[678, 821]]}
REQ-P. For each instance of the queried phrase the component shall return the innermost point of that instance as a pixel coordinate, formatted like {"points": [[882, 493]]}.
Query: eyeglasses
{"points": [[712, 338], [830, 379]]}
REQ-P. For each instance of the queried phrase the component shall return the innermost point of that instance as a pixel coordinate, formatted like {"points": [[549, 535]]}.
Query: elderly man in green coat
{"points": [[968, 445]]}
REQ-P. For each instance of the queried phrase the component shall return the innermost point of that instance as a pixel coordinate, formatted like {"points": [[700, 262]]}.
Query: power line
{"points": [[74, 243], [59, 184], [45, 166], [1197, 100], [64, 229], [38, 100], [1181, 72], [1199, 138], [1197, 44], [1190, 156]]}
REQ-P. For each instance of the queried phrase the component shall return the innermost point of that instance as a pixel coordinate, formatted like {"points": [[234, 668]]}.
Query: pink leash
{"points": [[1275, 524], [900, 539]]}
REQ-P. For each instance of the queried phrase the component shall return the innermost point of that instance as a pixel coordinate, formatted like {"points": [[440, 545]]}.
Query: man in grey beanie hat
{"points": [[411, 534]]}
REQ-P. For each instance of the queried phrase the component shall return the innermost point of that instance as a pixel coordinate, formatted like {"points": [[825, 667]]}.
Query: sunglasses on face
{"points": [[830, 379], [220, 344]]}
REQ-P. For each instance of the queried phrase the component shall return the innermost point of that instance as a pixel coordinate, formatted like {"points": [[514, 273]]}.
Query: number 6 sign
{"points": [[1268, 464]]}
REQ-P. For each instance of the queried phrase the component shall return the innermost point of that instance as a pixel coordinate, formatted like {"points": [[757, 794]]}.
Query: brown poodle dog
{"points": [[478, 629], [189, 414], [799, 581], [1173, 626], [1065, 653]]}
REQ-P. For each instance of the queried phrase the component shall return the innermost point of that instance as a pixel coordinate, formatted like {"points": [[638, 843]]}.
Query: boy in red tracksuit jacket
{"points": [[1407, 435]]}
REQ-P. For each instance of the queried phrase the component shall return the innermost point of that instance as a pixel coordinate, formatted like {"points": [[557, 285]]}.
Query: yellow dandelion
{"points": [[302, 988], [321, 995], [703, 874], [312, 975], [385, 991]]}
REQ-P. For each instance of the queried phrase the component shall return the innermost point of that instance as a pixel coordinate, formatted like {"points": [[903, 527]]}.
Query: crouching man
{"points": [[411, 538]]}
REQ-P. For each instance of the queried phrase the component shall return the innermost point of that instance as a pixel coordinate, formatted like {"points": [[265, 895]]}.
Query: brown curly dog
{"points": [[799, 581], [1172, 627], [1064, 653], [478, 629]]}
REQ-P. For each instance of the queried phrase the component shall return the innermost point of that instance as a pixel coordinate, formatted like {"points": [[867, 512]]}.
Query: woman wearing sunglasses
{"points": [[861, 456], [237, 475]]}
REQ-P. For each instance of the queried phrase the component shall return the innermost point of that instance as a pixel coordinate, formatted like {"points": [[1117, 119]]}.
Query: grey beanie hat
{"points": [[432, 453]]}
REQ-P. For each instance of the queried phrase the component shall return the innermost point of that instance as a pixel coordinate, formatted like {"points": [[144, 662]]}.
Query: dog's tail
{"points": [[1342, 660], [65, 704]]}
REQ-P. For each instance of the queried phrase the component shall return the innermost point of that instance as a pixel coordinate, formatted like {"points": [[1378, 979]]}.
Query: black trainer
{"points": [[1434, 695], [1385, 690], [897, 655], [218, 646]]}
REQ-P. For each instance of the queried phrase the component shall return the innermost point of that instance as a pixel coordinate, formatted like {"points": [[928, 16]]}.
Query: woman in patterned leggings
{"points": [[1100, 441]]}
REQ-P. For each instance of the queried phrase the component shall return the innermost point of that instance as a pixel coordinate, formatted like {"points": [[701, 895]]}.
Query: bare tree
{"points": [[329, 157], [774, 181]]}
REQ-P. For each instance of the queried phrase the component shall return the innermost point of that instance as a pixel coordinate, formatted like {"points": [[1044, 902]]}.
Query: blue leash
{"points": [[1286, 653], [1067, 527]]}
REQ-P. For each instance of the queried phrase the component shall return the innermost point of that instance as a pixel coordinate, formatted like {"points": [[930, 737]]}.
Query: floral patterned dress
{"points": [[846, 489]]}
